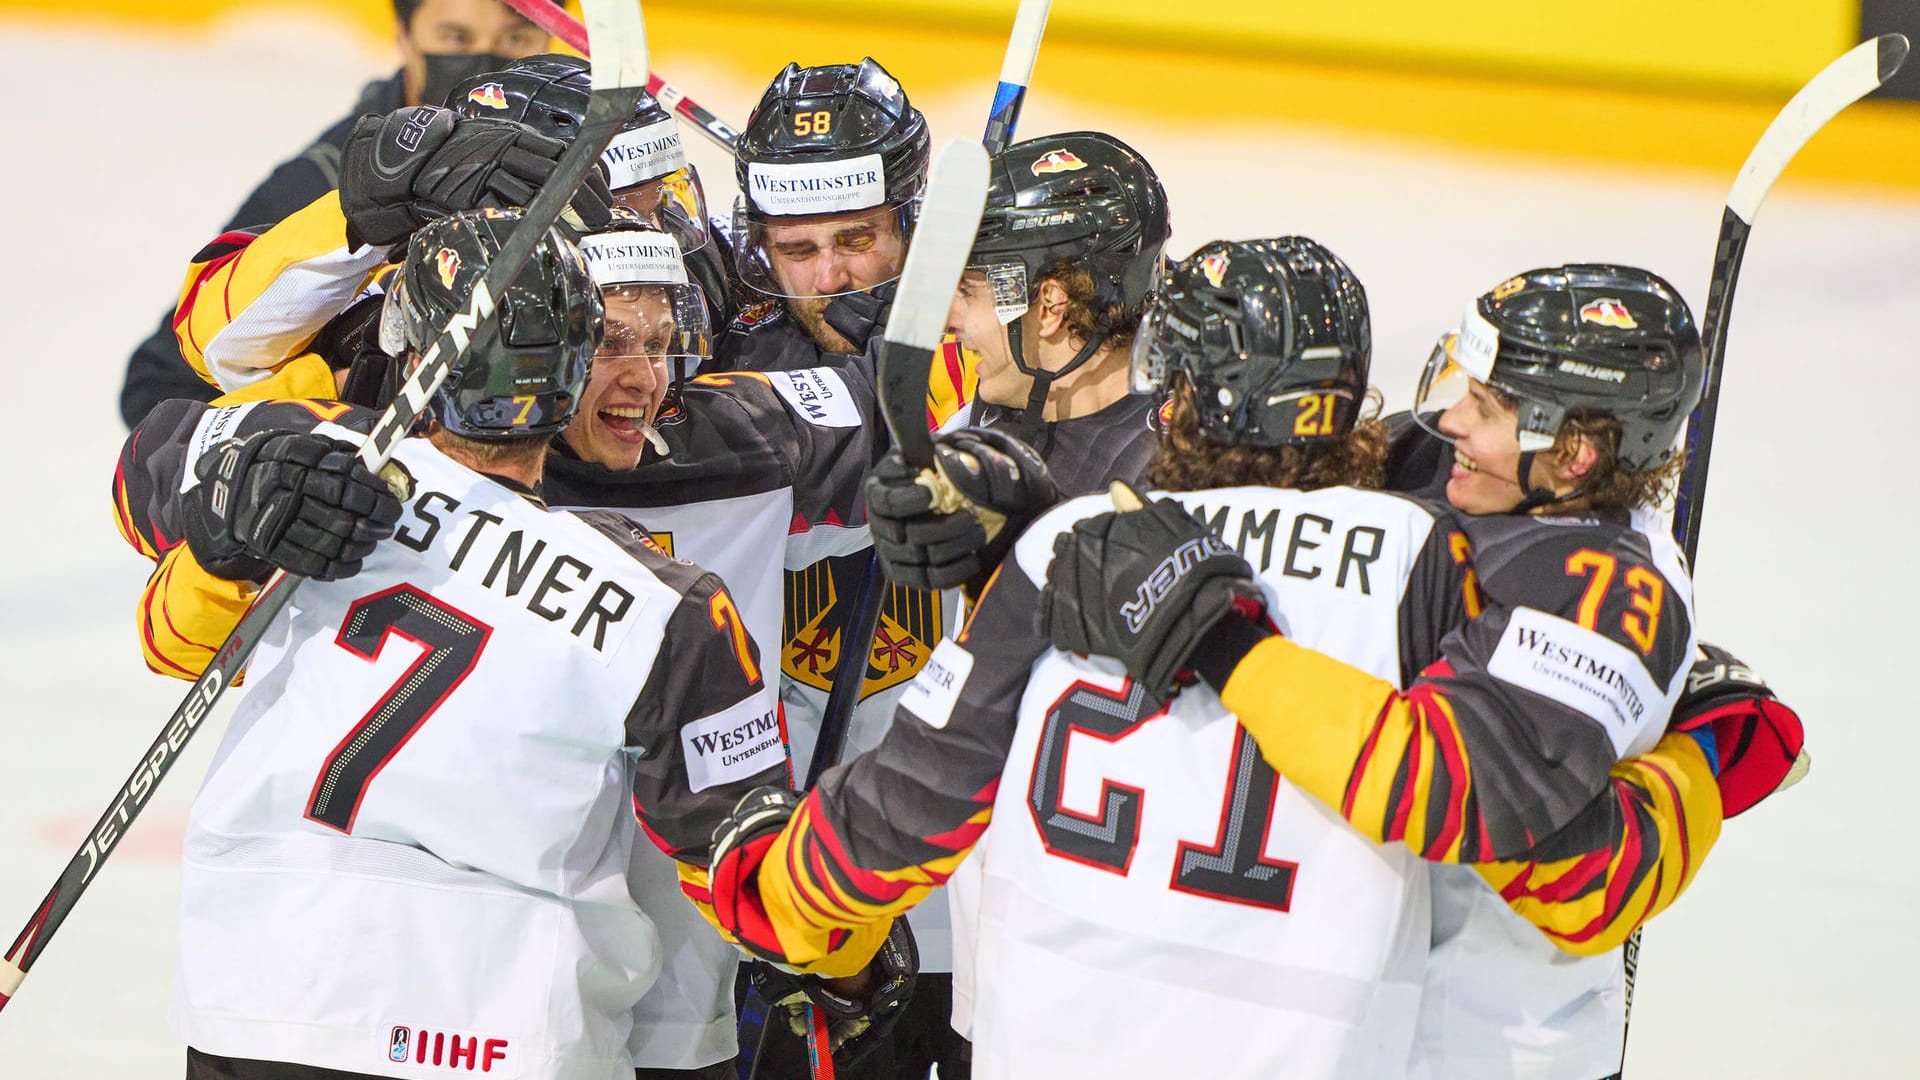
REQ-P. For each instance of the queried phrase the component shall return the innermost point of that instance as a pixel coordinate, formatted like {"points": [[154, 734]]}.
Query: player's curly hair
{"points": [[1188, 459], [1084, 320], [1607, 486]]}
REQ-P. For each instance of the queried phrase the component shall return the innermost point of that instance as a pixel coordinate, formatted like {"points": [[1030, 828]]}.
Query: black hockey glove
{"points": [[1144, 587], [1755, 742], [922, 548], [860, 316], [404, 169], [301, 502], [857, 1022]]}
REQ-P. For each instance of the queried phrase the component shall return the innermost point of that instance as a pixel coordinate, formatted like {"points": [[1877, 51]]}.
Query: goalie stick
{"points": [[554, 20], [1861, 71], [617, 85]]}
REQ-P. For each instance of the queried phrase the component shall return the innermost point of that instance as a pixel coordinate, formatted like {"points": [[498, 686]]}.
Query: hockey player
{"points": [[1069, 247], [830, 167], [1269, 936], [441, 42], [1577, 381], [505, 943], [645, 164]]}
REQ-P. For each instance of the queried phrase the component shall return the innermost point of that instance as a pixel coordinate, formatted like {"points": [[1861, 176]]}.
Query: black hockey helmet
{"points": [[833, 139], [1272, 335], [1085, 199], [1585, 338], [654, 311], [645, 164], [523, 375]]}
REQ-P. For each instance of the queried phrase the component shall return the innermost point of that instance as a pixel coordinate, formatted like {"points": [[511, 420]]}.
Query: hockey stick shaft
{"points": [[616, 90], [1862, 70], [1016, 73], [554, 20]]}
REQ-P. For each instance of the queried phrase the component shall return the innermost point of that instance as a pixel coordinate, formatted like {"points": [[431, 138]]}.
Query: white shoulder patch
{"points": [[734, 743], [933, 693], [1582, 670], [819, 395], [215, 427]]}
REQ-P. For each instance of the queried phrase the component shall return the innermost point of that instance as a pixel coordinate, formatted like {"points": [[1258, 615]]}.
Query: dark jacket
{"points": [[156, 371]]}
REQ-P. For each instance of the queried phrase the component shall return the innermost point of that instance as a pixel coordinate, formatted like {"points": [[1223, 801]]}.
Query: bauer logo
{"points": [[734, 744], [1057, 161], [827, 187], [488, 95], [448, 262], [819, 395], [1608, 312], [1584, 671], [1591, 371]]}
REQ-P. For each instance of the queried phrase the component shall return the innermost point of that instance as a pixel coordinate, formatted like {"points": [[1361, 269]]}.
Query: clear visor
{"points": [[1148, 371], [675, 203], [1448, 379], [1007, 282], [820, 255], [662, 325]]}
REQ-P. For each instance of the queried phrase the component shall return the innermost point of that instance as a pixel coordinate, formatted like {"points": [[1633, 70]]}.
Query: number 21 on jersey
{"points": [[1231, 868]]}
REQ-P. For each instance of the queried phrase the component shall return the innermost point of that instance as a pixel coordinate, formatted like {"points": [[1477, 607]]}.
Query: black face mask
{"points": [[448, 70]]}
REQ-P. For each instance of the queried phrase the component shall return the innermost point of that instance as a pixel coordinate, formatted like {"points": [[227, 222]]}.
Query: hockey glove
{"points": [[1753, 740], [416, 164], [857, 1020], [1144, 587], [859, 316], [300, 502], [922, 548]]}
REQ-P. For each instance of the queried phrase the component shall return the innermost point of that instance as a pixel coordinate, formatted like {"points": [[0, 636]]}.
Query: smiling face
{"points": [[1485, 428], [629, 379], [973, 320]]}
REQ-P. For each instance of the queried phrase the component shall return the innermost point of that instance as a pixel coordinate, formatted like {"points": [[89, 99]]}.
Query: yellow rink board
{"points": [[1664, 83]]}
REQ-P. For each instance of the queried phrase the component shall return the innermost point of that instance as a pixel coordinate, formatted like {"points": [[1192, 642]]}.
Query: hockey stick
{"points": [[1856, 74], [617, 85], [1016, 73], [554, 19]]}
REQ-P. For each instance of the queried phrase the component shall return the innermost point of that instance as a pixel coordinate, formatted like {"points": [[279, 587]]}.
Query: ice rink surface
{"points": [[1794, 954]]}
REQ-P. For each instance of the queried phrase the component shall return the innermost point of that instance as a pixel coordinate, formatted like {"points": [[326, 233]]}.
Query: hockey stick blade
{"points": [[1857, 73], [942, 240], [617, 85], [1861, 71], [1016, 73], [554, 20]]}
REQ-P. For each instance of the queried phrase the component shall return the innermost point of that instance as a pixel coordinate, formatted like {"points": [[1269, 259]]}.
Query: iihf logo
{"points": [[402, 1038]]}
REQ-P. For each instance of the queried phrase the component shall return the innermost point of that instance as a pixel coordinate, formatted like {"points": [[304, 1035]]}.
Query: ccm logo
{"points": [[424, 1047]]}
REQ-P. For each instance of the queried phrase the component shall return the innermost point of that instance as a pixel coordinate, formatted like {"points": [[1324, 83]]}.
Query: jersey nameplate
{"points": [[1582, 670], [733, 744], [559, 586], [934, 692], [215, 427], [819, 395]]}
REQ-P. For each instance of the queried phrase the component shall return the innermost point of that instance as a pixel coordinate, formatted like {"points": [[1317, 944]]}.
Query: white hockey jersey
{"points": [[1139, 851], [411, 853]]}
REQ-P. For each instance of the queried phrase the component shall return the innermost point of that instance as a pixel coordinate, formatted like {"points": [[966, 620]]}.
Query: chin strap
{"points": [[1534, 498], [1031, 417]]}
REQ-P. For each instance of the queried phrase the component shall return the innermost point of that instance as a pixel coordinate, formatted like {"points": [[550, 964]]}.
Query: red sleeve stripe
{"points": [[1679, 816], [1453, 755], [147, 601], [1578, 880], [1366, 759]]}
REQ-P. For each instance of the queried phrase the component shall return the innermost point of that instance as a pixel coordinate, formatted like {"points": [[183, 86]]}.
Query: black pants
{"points": [[211, 1067], [923, 1037]]}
